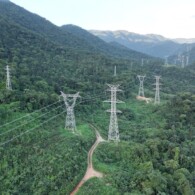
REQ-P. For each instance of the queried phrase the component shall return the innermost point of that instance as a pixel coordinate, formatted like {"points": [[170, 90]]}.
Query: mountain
{"points": [[39, 25], [101, 46], [182, 40], [125, 35], [39, 51], [151, 44], [68, 37], [40, 156]]}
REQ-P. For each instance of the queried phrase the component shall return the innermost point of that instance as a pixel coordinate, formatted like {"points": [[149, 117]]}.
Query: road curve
{"points": [[90, 172]]}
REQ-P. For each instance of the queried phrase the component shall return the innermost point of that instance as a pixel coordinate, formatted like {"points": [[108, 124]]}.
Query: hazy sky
{"points": [[170, 18]]}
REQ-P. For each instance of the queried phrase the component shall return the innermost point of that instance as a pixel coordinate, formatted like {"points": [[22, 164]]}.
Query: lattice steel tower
{"points": [[113, 133], [70, 101], [8, 80], [157, 90], [141, 86]]}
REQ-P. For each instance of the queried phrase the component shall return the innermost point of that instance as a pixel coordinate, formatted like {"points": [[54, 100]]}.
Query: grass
{"points": [[83, 130]]}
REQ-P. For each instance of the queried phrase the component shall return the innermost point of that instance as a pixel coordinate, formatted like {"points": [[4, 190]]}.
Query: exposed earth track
{"points": [[90, 172]]}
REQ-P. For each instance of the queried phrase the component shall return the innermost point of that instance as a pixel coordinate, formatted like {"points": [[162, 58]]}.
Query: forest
{"points": [[38, 155]]}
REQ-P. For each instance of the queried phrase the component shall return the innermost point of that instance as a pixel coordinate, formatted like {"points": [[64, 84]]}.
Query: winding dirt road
{"points": [[90, 172]]}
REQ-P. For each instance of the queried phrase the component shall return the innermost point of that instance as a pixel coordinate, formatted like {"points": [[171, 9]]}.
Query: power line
{"points": [[44, 139], [29, 121], [1, 144], [90, 99], [28, 114], [85, 100], [56, 116]]}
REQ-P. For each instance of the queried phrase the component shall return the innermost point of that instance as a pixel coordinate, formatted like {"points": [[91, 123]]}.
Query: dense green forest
{"points": [[38, 156], [156, 152]]}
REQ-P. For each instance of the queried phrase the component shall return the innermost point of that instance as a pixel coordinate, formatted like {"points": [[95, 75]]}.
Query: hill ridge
{"points": [[151, 44]]}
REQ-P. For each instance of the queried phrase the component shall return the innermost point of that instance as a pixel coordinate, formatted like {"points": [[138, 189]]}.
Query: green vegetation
{"points": [[156, 152], [98, 187], [48, 160], [153, 157]]}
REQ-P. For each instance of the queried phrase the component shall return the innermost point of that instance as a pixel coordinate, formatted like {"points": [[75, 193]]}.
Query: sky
{"points": [[170, 18]]}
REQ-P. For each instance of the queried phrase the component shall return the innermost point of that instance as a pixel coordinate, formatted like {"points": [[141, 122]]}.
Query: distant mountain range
{"points": [[151, 44], [36, 49], [183, 40], [111, 44], [114, 50]]}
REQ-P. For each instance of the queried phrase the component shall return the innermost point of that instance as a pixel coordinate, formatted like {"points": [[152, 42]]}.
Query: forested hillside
{"points": [[65, 36], [39, 156], [156, 154], [108, 49]]}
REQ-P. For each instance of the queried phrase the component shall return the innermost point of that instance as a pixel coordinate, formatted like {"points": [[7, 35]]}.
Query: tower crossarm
{"points": [[141, 78], [114, 88], [117, 111]]}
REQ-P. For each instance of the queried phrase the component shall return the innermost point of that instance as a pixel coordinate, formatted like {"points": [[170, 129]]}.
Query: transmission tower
{"points": [[8, 80], [157, 90], [113, 133], [70, 101], [141, 86]]}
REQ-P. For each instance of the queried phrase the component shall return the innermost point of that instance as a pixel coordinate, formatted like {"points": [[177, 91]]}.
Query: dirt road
{"points": [[90, 172]]}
